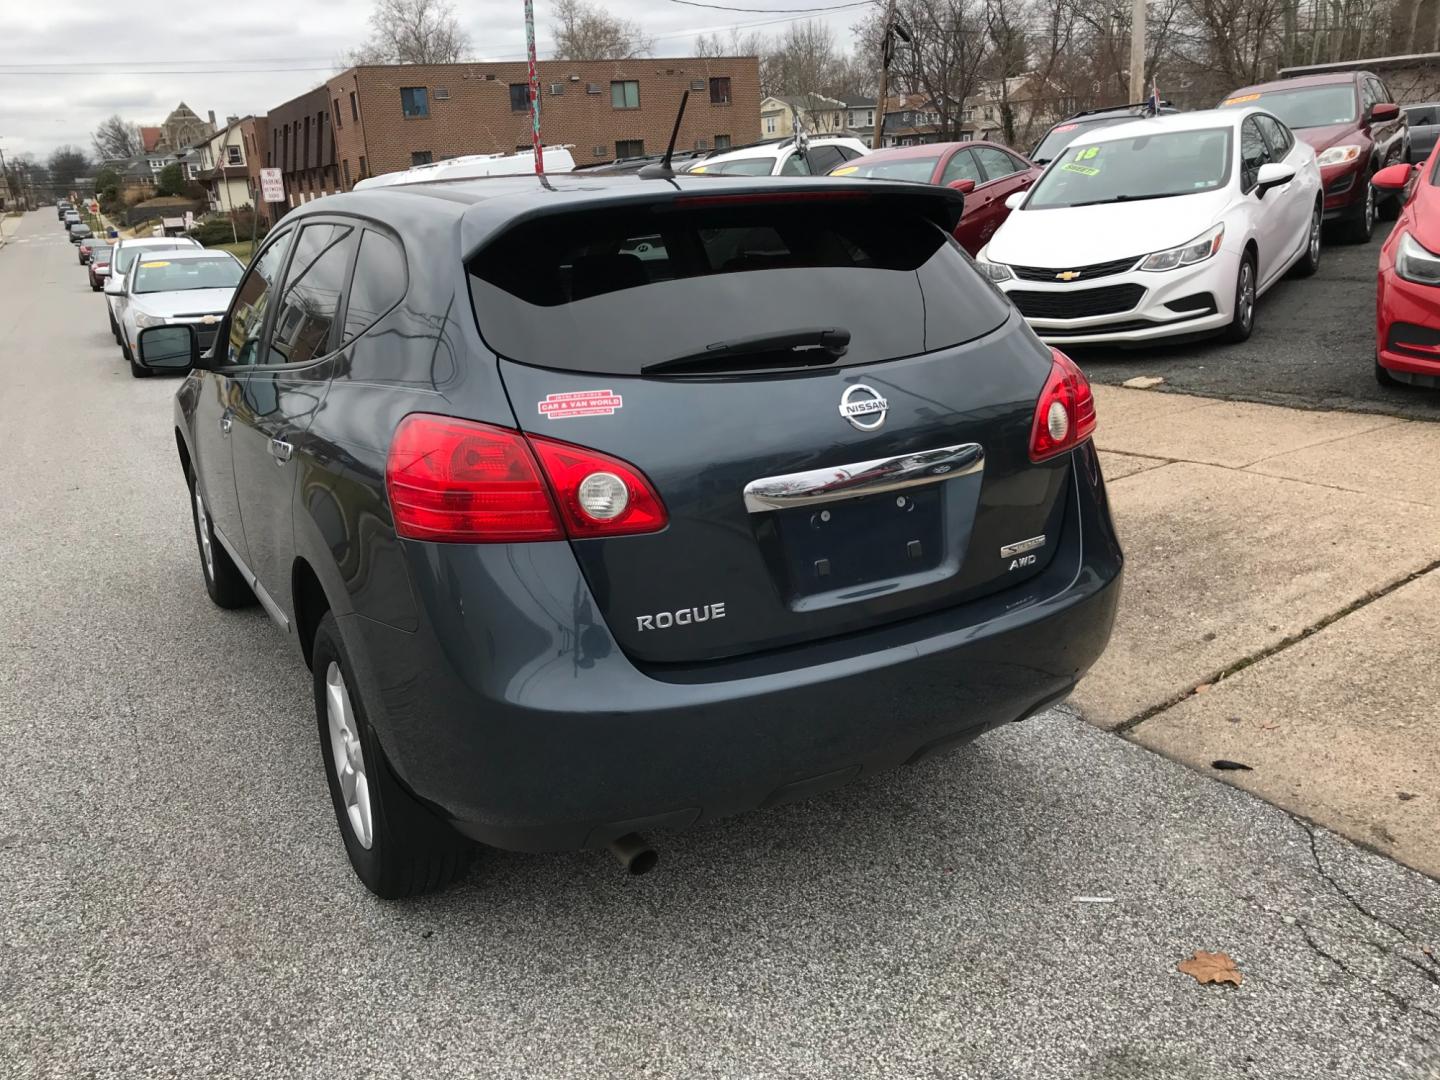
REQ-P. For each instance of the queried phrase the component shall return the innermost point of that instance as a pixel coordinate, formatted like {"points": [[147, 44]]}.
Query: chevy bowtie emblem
{"points": [[1067, 275]]}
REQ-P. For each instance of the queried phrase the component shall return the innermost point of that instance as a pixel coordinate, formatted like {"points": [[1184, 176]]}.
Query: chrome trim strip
{"points": [[271, 608], [815, 486], [1020, 547]]}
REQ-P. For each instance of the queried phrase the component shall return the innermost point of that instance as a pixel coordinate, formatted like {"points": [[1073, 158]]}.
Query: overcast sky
{"points": [[141, 59]]}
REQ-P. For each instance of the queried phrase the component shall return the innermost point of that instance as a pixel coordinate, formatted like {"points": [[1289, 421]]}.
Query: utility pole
{"points": [[877, 136], [534, 87], [1137, 51]]}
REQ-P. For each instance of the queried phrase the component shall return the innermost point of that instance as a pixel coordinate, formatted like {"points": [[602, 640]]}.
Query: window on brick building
{"points": [[630, 148], [363, 173], [421, 157], [625, 94], [345, 169], [519, 97], [720, 91], [414, 101], [338, 124], [722, 142], [354, 107]]}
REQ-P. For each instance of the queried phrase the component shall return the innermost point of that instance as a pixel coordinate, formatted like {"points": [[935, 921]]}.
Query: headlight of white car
{"points": [[1197, 250], [1337, 155], [143, 320], [1414, 262], [996, 272]]}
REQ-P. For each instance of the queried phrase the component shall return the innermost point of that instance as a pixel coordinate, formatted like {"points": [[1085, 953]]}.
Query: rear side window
{"points": [[740, 167], [313, 286], [378, 285], [616, 291]]}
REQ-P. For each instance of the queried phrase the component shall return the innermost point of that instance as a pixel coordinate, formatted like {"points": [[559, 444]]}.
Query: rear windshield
{"points": [[739, 167], [127, 254], [917, 169], [617, 291], [1423, 115], [159, 274]]}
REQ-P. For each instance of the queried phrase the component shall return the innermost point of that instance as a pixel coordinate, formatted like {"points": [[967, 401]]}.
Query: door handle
{"points": [[280, 450], [225, 423]]}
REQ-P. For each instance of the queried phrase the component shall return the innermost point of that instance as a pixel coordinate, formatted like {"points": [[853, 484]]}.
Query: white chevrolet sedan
{"points": [[186, 286], [1164, 227]]}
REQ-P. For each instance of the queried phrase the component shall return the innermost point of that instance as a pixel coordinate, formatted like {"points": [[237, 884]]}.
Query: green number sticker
{"points": [[1087, 154]]}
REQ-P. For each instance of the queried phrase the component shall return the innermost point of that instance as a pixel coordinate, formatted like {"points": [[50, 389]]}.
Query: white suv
{"points": [[814, 155], [117, 294]]}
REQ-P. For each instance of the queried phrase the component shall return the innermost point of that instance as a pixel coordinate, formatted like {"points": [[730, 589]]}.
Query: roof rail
{"points": [[1115, 108], [557, 159]]}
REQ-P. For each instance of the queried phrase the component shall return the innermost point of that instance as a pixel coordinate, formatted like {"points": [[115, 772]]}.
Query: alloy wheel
{"points": [[1369, 208], [202, 526], [1315, 223], [348, 756], [1245, 295]]}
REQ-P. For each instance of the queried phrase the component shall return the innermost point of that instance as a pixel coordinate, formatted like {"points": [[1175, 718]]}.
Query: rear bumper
{"points": [[513, 714]]}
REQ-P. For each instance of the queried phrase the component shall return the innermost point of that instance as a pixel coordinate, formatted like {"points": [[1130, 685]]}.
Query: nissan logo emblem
{"points": [[863, 407]]}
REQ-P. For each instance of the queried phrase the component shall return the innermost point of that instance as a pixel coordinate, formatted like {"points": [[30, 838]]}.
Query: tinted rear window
{"points": [[615, 291]]}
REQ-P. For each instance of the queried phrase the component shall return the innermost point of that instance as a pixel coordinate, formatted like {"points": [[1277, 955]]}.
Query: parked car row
{"points": [[160, 281]]}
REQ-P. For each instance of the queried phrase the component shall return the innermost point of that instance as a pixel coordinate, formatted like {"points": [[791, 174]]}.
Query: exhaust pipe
{"points": [[635, 854]]}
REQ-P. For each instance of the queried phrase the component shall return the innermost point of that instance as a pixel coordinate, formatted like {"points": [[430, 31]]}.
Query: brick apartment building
{"points": [[301, 145], [391, 117]]}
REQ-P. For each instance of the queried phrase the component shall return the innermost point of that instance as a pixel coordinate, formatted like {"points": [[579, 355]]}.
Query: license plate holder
{"points": [[854, 542]]}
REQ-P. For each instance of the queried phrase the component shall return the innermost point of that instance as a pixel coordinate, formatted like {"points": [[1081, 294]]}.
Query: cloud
{"points": [[191, 55]]}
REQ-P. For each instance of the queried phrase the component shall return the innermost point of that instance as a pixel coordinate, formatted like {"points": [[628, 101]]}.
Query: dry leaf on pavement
{"points": [[1211, 967]]}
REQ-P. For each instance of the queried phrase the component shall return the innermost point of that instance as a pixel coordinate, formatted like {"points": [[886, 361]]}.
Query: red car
{"points": [[99, 265], [1355, 127], [1407, 322], [986, 172]]}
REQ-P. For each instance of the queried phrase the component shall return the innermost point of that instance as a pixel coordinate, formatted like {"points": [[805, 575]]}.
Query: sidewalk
{"points": [[1281, 606]]}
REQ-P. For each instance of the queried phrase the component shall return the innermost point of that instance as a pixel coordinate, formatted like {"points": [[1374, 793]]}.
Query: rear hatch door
{"points": [[833, 406]]}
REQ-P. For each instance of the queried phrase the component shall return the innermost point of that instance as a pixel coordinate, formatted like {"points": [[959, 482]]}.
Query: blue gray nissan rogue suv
{"points": [[603, 505]]}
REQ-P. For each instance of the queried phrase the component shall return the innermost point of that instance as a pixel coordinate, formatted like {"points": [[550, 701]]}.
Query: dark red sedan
{"points": [[1407, 323], [99, 265], [986, 172]]}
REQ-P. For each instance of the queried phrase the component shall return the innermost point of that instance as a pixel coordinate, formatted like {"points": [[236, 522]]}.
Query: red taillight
{"points": [[459, 481], [598, 495], [1065, 413]]}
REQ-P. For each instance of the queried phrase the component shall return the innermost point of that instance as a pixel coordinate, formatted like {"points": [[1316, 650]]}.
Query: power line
{"points": [[772, 11]]}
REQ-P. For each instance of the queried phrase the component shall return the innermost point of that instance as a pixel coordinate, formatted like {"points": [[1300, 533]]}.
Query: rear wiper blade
{"points": [[813, 347]]}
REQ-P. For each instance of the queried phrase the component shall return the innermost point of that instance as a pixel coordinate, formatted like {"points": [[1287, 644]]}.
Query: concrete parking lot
{"points": [[177, 903], [1313, 347]]}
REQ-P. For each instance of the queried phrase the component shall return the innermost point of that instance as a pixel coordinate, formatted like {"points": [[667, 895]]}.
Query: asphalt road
{"points": [[1313, 347], [177, 904]]}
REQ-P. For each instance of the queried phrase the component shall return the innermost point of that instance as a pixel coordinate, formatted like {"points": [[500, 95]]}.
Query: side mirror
{"points": [[114, 284], [1383, 111], [167, 348], [1014, 199], [1393, 177], [964, 185], [1272, 175]]}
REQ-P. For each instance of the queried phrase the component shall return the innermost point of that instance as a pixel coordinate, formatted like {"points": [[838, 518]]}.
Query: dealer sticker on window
{"points": [[580, 403], [1084, 170]]}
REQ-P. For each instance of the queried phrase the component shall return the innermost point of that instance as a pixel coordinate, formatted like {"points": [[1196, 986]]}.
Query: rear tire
{"points": [[1243, 323], [1310, 261], [223, 580], [397, 846], [1361, 227]]}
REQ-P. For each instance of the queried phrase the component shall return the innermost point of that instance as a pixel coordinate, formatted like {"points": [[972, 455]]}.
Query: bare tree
{"points": [[585, 32], [116, 138], [735, 44], [802, 61], [67, 164], [413, 32]]}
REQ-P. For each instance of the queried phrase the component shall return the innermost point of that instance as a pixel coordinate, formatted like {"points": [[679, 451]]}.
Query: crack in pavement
{"points": [[1427, 967], [1235, 667]]}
